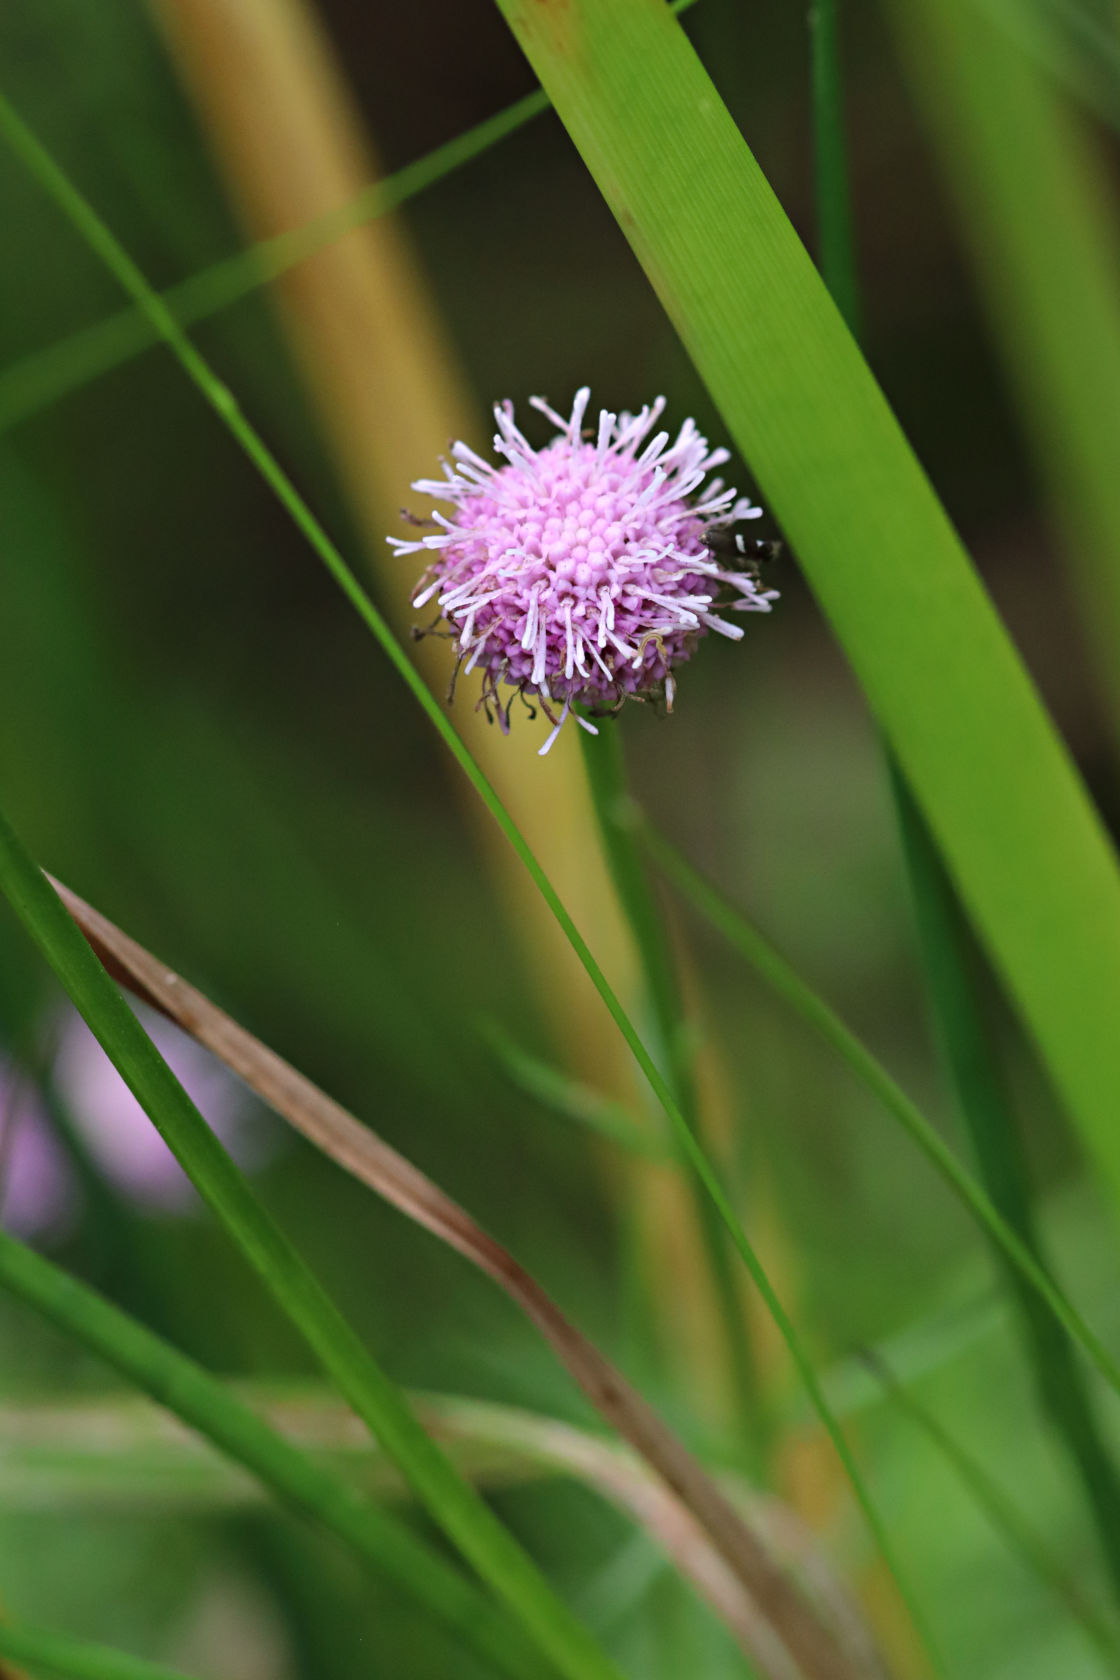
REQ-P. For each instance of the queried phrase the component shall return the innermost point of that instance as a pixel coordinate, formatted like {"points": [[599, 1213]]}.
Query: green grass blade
{"points": [[1005, 1174], [943, 933], [40, 379], [836, 249], [63, 1658], [102, 242], [1025, 848], [1041, 225], [606, 778], [1005, 1518], [1072, 43], [566, 1096], [375, 1535], [453, 1503], [783, 979]]}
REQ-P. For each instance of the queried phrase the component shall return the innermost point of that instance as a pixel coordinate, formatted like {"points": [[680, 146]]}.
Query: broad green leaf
{"points": [[946, 950], [1009, 814]]}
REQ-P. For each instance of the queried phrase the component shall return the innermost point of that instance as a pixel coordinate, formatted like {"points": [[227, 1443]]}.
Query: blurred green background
{"points": [[197, 734]]}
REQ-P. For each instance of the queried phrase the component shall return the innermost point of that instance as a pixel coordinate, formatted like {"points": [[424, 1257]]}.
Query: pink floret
{"points": [[578, 573]]}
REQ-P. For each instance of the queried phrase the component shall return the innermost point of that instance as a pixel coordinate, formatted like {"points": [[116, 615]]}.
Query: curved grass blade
{"points": [[1024, 846], [568, 1097], [783, 979], [102, 1450], [360, 1152], [944, 939], [454, 1504], [64, 1658], [1005, 1519], [203, 1403], [221, 399]]}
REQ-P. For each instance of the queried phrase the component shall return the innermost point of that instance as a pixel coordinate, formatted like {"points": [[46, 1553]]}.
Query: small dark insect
{"points": [[730, 542]]}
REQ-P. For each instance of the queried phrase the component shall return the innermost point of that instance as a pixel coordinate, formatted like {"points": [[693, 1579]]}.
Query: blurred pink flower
{"points": [[121, 1138], [38, 1194]]}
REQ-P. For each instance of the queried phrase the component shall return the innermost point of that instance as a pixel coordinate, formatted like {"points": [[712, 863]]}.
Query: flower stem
{"points": [[606, 776], [947, 953]]}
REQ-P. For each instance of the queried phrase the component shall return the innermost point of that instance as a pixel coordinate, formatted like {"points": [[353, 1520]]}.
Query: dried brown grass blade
{"points": [[353, 1146]]}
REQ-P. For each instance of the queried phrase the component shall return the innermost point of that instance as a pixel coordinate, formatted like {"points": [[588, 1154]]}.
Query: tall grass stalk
{"points": [[943, 932], [454, 1504], [102, 242]]}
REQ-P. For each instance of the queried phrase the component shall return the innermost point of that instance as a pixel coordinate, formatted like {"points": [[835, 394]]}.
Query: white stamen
{"points": [[579, 409], [556, 727], [549, 413]]}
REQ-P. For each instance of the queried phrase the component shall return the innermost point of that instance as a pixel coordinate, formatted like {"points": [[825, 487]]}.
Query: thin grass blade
{"points": [[64, 1658], [43, 377], [40, 379], [785, 982], [566, 1096], [1005, 1518], [606, 777]]}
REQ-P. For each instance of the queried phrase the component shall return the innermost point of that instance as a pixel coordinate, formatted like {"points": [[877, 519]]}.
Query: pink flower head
{"points": [[118, 1133], [582, 572]]}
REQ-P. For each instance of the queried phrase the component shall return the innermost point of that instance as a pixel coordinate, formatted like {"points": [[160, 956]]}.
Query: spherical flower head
{"points": [[583, 573]]}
